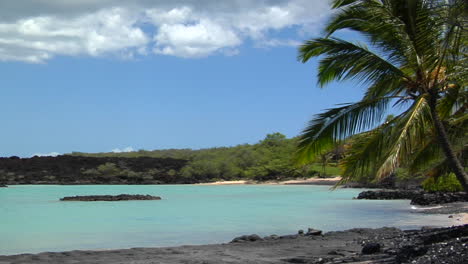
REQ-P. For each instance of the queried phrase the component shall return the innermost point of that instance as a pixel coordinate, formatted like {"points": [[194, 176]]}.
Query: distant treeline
{"points": [[270, 159]]}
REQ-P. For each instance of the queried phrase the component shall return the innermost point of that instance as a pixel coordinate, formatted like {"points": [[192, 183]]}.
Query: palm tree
{"points": [[417, 61]]}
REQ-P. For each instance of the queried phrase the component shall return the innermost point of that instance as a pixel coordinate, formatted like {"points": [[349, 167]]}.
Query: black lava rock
{"points": [[371, 248], [110, 198], [417, 197], [246, 238], [313, 232]]}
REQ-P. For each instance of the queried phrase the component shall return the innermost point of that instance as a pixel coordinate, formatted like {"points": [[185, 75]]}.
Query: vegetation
{"points": [[270, 159], [446, 183], [417, 62]]}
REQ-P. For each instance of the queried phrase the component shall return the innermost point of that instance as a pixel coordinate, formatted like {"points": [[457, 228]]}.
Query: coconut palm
{"points": [[416, 60]]}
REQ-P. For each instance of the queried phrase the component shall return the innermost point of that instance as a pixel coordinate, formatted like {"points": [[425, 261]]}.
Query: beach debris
{"points": [[110, 198], [371, 248]]}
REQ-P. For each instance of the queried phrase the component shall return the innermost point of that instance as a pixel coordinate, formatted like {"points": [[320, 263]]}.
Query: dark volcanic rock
{"points": [[67, 169], [407, 252], [371, 248], [387, 195], [416, 197], [313, 232], [438, 198], [246, 238], [120, 197]]}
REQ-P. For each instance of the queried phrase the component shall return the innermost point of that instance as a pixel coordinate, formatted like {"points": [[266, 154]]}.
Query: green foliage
{"points": [[269, 159], [414, 58], [447, 183], [108, 169]]}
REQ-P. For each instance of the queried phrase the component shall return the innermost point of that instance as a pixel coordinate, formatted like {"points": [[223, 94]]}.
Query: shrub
{"points": [[447, 183], [108, 169]]}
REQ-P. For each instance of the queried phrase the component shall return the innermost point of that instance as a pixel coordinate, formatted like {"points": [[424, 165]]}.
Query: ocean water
{"points": [[32, 219]]}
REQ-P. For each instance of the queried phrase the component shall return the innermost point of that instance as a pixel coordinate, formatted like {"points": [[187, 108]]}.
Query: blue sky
{"points": [[199, 96]]}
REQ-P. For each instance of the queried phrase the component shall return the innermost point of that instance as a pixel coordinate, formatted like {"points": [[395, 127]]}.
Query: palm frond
{"points": [[336, 124], [409, 132], [425, 157], [366, 18], [345, 60], [453, 101], [364, 154]]}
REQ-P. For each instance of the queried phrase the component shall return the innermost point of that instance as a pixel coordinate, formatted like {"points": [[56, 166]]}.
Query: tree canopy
{"points": [[414, 58]]}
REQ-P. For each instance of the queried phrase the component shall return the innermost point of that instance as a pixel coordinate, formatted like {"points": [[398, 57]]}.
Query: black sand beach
{"points": [[384, 245]]}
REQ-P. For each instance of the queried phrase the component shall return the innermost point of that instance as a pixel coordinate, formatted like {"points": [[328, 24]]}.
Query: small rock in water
{"points": [[371, 248], [313, 232], [120, 197], [300, 232]]}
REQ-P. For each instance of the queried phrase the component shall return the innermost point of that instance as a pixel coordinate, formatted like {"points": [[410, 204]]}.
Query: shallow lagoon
{"points": [[34, 220]]}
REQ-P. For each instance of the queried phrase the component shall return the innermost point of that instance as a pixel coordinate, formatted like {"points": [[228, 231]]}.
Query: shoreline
{"points": [[332, 247], [299, 181]]}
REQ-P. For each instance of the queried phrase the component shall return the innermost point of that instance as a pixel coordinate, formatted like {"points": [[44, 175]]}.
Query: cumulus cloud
{"points": [[51, 154], [127, 149], [37, 30], [196, 40]]}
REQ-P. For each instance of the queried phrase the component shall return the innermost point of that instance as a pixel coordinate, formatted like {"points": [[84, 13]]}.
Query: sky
{"points": [[115, 75]]}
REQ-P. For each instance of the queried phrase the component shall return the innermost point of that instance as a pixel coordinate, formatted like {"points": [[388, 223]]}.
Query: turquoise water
{"points": [[33, 220]]}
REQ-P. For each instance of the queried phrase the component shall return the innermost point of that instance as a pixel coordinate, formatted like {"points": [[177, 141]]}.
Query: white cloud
{"points": [[37, 30], [195, 40], [39, 38], [51, 154], [279, 42], [127, 149]]}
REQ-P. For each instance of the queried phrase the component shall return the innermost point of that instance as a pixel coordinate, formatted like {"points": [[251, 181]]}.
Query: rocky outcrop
{"points": [[416, 197], [3, 186], [90, 170], [387, 195], [247, 238], [110, 198], [438, 198], [313, 232]]}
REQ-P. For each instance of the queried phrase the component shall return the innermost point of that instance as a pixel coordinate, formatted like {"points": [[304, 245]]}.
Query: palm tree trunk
{"points": [[444, 142]]}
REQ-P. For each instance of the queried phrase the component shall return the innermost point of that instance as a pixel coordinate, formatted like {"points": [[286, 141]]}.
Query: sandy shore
{"points": [[305, 181]]}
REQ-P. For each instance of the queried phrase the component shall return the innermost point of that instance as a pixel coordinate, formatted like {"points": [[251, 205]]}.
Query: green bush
{"points": [[447, 183], [108, 169]]}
